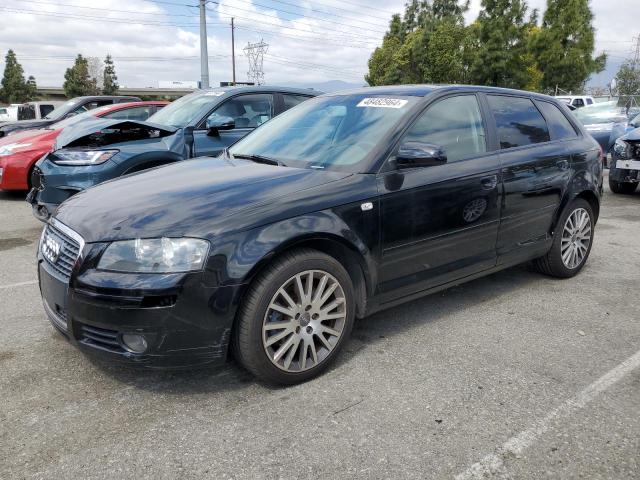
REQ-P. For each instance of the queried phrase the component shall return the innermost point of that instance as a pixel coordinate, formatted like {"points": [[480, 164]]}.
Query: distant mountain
{"points": [[328, 86]]}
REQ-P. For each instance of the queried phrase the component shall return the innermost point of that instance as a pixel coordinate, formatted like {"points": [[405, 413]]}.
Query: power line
{"points": [[163, 14], [333, 22], [386, 19], [76, 16], [342, 32], [359, 5]]}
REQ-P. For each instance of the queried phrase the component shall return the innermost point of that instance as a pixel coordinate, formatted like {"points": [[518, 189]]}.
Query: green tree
{"points": [[502, 30], [424, 45], [565, 44], [110, 79], [628, 79], [32, 87], [77, 81], [14, 88]]}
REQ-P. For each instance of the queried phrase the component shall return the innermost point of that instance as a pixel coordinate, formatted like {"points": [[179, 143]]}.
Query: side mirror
{"points": [[419, 154], [214, 125]]}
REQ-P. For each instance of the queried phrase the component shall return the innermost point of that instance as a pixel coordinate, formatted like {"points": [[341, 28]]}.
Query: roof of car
{"points": [[424, 90], [122, 106], [262, 88], [103, 97]]}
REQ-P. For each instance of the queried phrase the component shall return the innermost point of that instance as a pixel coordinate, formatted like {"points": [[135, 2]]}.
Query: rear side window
{"points": [[45, 110], [589, 101], [559, 126], [137, 113], [518, 121], [291, 101], [455, 124]]}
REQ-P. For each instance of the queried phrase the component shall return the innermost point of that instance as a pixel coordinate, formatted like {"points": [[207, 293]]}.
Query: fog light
{"points": [[134, 343]]}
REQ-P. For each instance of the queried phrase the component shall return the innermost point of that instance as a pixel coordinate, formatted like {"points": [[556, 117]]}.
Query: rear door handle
{"points": [[489, 183]]}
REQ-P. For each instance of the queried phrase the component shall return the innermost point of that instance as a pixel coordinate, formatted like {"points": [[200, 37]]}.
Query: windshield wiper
{"points": [[260, 159]]}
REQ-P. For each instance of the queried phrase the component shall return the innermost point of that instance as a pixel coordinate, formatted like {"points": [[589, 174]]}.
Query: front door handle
{"points": [[489, 183], [563, 164]]}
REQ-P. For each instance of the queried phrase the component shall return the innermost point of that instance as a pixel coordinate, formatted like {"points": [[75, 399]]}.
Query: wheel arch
{"points": [[335, 246], [146, 163]]}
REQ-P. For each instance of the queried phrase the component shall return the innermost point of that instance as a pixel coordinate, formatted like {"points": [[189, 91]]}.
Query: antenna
{"points": [[255, 53]]}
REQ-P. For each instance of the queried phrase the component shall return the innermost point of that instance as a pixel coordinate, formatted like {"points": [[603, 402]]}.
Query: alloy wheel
{"points": [[304, 321], [576, 238]]}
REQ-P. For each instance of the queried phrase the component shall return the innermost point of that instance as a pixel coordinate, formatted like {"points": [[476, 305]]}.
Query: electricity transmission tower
{"points": [[255, 53]]}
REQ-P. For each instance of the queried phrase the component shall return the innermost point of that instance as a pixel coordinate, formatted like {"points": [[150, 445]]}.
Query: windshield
{"points": [[62, 110], [602, 113], [185, 110], [336, 132]]}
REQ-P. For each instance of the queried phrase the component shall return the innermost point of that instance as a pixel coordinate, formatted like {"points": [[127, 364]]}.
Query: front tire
{"points": [[295, 318], [625, 188], [572, 242]]}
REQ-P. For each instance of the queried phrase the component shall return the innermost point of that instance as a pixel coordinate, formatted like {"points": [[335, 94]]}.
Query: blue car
{"points": [[607, 122], [200, 124]]}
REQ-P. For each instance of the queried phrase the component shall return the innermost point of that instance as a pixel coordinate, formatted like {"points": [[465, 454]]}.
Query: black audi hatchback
{"points": [[342, 206]]}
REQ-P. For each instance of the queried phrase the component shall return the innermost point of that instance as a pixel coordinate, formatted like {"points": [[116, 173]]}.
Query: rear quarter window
{"points": [[559, 127], [518, 121]]}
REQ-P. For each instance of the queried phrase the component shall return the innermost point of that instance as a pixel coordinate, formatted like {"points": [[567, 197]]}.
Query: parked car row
{"points": [[200, 124], [342, 206], [20, 151], [65, 110]]}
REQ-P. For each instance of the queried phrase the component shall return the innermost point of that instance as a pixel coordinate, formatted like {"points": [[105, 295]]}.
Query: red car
{"points": [[19, 152]]}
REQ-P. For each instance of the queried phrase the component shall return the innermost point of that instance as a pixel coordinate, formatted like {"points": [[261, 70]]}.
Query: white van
{"points": [[576, 101], [9, 114]]}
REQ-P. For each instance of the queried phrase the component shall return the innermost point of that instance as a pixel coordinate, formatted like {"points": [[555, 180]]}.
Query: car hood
{"points": [[633, 135], [77, 134], [201, 198], [29, 136], [24, 124]]}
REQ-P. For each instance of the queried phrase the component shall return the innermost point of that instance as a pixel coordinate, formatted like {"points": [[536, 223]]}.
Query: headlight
{"points": [[155, 255], [622, 149], [82, 157], [9, 149]]}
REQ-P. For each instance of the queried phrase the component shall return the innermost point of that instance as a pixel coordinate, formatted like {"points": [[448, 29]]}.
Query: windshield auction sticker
{"points": [[382, 102]]}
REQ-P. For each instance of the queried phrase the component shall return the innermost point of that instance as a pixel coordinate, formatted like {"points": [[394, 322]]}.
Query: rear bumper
{"points": [[183, 325]]}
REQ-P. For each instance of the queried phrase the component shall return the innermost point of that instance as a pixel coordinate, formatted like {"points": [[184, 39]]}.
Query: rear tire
{"points": [[295, 317], [572, 242], [625, 188]]}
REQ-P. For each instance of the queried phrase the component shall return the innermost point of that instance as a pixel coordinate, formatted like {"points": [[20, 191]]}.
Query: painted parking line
{"points": [[20, 284], [492, 465]]}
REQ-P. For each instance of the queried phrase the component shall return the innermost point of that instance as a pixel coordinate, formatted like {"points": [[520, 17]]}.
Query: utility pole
{"points": [[204, 52], [636, 56], [233, 52]]}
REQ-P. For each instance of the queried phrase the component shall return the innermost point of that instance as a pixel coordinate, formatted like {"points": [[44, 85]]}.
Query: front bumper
{"points": [[53, 184], [184, 321], [625, 170]]}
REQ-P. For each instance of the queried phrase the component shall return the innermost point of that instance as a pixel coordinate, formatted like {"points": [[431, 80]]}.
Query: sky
{"points": [[310, 41]]}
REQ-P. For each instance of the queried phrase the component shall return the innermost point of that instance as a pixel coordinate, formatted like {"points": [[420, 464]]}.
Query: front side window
{"points": [[578, 102], [518, 121], [337, 132], [248, 111], [559, 126], [455, 124]]}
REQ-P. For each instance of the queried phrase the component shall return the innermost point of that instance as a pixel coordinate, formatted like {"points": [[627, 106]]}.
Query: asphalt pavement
{"points": [[515, 375]]}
